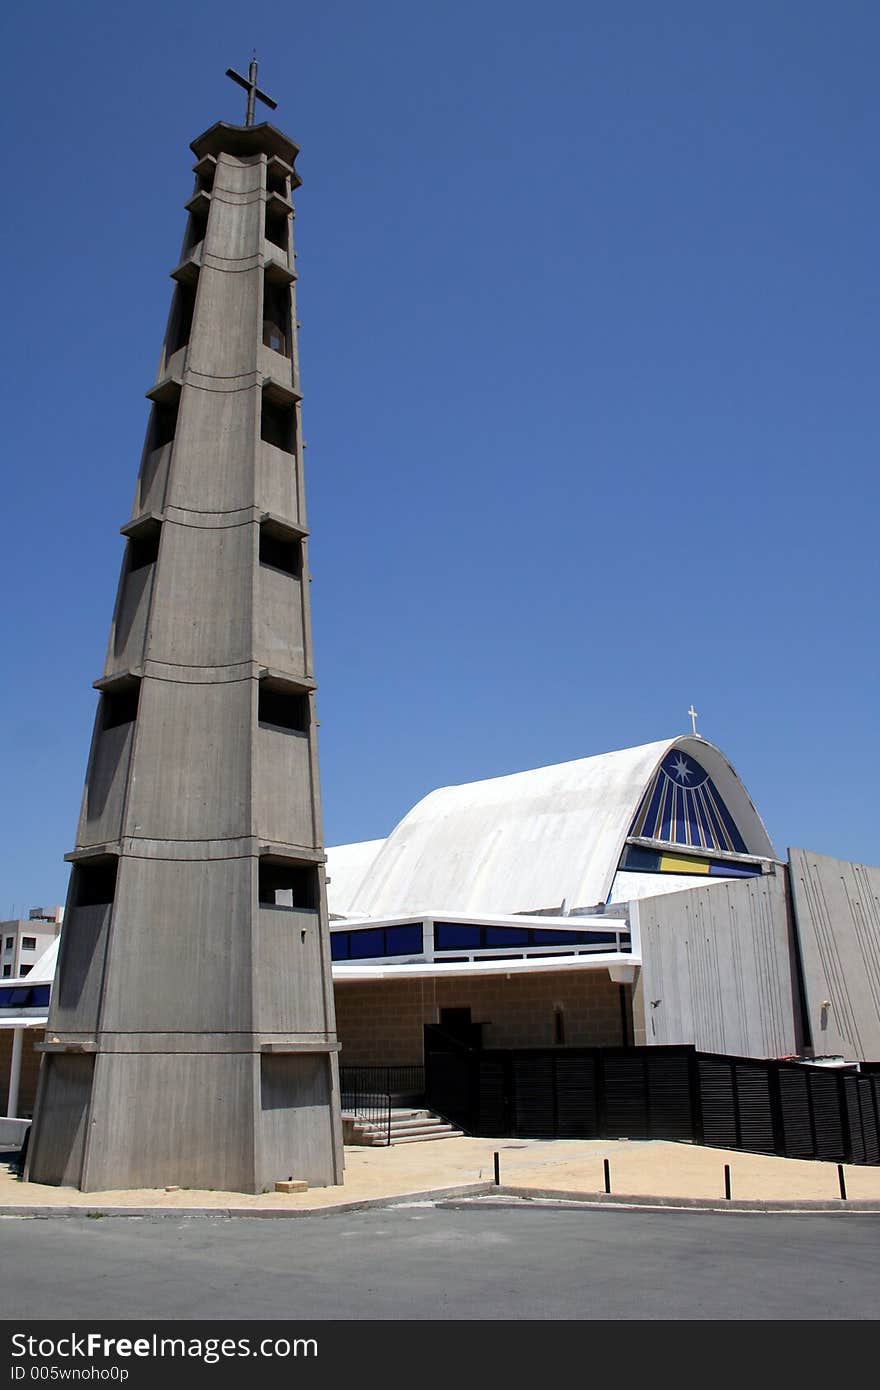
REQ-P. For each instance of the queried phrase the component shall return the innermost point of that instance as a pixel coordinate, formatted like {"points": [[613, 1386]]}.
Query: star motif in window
{"points": [[681, 769]]}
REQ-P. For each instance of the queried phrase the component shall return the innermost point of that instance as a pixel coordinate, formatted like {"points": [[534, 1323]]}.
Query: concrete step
{"points": [[441, 1132], [418, 1122], [423, 1132], [408, 1126]]}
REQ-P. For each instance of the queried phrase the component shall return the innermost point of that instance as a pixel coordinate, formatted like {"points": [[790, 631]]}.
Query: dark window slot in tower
{"points": [[205, 180], [120, 706], [163, 424], [276, 317], [283, 709], [96, 883], [290, 886], [196, 229], [181, 318], [280, 552], [278, 426], [143, 549], [276, 182], [276, 228]]}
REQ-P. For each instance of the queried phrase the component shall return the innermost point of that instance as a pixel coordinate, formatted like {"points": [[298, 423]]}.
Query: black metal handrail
{"points": [[372, 1107], [367, 1092], [405, 1080]]}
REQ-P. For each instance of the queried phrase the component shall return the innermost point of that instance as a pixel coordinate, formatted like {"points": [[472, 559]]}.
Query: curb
{"points": [[610, 1201], [464, 1197], [477, 1189]]}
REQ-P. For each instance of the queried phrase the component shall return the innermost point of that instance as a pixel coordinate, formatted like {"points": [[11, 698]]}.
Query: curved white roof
{"points": [[527, 842], [347, 866]]}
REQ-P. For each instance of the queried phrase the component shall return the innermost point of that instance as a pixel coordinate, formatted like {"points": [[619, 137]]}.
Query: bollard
{"points": [[842, 1181], [497, 1170], [607, 1175], [727, 1181]]}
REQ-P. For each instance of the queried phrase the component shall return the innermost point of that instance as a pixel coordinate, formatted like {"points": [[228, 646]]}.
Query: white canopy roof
{"points": [[527, 842]]}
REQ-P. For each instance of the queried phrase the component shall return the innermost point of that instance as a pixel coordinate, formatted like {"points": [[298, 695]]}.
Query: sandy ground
{"points": [[638, 1169]]}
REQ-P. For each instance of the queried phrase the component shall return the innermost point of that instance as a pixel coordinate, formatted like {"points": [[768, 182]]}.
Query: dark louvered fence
{"points": [[768, 1107]]}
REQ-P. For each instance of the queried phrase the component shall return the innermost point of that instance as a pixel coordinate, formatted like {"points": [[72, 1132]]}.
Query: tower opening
{"points": [[276, 317], [196, 228], [288, 885], [280, 552], [279, 707], [276, 227], [278, 425], [182, 312], [143, 549], [163, 424], [96, 883], [120, 706]]}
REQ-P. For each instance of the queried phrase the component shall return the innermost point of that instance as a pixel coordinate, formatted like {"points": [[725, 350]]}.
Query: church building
{"points": [[512, 908]]}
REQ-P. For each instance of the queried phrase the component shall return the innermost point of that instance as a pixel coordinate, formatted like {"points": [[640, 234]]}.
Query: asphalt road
{"points": [[416, 1262]]}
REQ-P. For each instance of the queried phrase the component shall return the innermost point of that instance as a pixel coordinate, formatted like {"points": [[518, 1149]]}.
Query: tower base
{"points": [[220, 1121]]}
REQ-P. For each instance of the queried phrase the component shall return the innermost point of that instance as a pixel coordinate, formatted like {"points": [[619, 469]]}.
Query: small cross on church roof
{"points": [[250, 85]]}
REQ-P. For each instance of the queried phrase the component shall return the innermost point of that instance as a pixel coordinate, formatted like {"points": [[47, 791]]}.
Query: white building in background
{"points": [[22, 942]]}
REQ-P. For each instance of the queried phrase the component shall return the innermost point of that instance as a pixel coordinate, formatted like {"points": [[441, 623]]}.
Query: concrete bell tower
{"points": [[191, 1035]]}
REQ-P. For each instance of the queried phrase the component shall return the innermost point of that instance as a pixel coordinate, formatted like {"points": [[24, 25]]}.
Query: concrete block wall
{"points": [[381, 1023]]}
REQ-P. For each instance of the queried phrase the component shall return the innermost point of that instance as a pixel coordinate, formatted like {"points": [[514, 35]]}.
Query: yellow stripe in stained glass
{"points": [[682, 864]]}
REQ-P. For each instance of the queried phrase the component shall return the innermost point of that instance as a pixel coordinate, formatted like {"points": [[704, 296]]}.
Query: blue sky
{"points": [[589, 297]]}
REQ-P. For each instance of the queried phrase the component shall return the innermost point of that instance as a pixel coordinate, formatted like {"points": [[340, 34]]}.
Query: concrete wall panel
{"points": [[203, 604], [76, 997], [228, 321], [152, 481], [188, 1121], [193, 761], [277, 366], [175, 967], [276, 490], [237, 175], [103, 801], [288, 987], [837, 912], [717, 969], [296, 1122], [57, 1149], [128, 631], [235, 231], [278, 628], [213, 459], [283, 804]]}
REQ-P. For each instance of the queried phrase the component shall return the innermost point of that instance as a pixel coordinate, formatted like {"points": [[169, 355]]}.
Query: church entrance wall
{"points": [[380, 1023]]}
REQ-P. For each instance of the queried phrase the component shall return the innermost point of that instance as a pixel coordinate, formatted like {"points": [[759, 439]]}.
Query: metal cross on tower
{"points": [[694, 717], [250, 85]]}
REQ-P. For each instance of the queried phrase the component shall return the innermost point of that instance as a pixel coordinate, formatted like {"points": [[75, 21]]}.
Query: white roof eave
{"points": [[531, 965]]}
